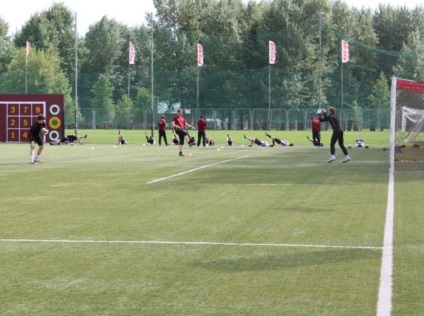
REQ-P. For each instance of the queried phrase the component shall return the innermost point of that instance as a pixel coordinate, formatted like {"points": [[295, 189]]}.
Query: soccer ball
{"points": [[319, 111], [44, 131], [349, 146]]}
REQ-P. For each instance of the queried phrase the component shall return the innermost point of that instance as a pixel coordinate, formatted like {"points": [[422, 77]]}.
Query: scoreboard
{"points": [[19, 111]]}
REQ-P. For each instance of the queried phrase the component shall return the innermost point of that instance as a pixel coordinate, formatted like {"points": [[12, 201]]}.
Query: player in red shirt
{"points": [[162, 131], [316, 131], [201, 131], [179, 124]]}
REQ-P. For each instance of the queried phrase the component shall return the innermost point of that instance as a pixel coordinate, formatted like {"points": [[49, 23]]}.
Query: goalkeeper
{"points": [[337, 134]]}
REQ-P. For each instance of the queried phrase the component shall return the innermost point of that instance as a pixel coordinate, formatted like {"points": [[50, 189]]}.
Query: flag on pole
{"points": [[345, 51], [199, 55], [27, 51], [272, 53], [132, 54]]}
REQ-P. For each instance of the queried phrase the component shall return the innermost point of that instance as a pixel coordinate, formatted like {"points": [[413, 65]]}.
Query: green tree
{"points": [[411, 61], [104, 43], [7, 50], [123, 112], [379, 100], [102, 101], [52, 29], [44, 74]]}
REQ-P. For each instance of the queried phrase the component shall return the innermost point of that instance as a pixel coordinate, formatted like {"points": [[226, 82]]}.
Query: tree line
{"points": [[236, 72]]}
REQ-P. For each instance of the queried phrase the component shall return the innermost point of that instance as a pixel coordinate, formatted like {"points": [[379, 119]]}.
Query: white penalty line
{"points": [[196, 169], [190, 243]]}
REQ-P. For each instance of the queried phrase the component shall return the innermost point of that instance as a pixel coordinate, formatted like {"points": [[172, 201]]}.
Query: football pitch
{"points": [[100, 229]]}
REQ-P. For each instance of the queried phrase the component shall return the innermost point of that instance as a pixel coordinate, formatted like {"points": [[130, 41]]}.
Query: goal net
{"points": [[407, 137]]}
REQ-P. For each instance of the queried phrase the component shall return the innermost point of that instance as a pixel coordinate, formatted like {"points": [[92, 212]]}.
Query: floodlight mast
{"points": [[152, 73], [76, 75]]}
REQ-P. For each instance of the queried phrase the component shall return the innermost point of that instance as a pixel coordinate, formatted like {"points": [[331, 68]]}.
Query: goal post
{"points": [[407, 126]]}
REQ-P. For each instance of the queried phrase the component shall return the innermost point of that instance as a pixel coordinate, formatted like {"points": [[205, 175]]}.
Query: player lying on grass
{"points": [[121, 139], [229, 140], [209, 141], [67, 140], [359, 143], [75, 137], [150, 139], [276, 141], [257, 141]]}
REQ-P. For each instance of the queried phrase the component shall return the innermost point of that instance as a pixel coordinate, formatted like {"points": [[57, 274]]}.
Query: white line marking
{"points": [[384, 305], [196, 169], [292, 184], [193, 243]]}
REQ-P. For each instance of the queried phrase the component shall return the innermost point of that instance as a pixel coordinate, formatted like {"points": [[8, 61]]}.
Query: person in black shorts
{"points": [[179, 124], [35, 138]]}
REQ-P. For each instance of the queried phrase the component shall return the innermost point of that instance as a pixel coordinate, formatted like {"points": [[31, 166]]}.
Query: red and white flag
{"points": [[199, 55], [272, 53], [27, 51], [345, 51], [132, 54]]}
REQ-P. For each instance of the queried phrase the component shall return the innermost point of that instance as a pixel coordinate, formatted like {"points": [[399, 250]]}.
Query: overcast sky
{"points": [[128, 12]]}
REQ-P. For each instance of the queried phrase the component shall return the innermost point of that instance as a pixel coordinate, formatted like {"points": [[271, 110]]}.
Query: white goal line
{"points": [[190, 243]]}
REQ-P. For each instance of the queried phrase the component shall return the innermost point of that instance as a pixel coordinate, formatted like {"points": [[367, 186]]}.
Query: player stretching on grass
{"points": [[179, 124], [278, 141], [257, 141], [337, 134], [35, 138]]}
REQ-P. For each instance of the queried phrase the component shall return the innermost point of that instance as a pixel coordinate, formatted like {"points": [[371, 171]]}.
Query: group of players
{"points": [[180, 135]]}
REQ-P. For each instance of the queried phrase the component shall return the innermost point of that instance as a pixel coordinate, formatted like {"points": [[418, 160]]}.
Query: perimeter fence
{"points": [[233, 119]]}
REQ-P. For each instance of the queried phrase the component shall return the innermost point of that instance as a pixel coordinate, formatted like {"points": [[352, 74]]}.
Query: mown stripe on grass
{"points": [[192, 243]]}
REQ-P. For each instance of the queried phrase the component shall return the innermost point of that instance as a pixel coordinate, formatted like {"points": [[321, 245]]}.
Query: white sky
{"points": [[128, 12]]}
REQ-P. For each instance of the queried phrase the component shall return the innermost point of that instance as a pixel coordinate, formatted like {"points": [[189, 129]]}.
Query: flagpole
{"points": [[26, 66], [129, 65], [342, 97], [269, 97], [320, 61], [152, 73], [26, 76], [197, 96], [271, 61], [76, 75]]}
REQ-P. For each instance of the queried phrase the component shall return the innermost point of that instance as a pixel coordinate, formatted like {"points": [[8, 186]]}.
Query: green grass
{"points": [[249, 231]]}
